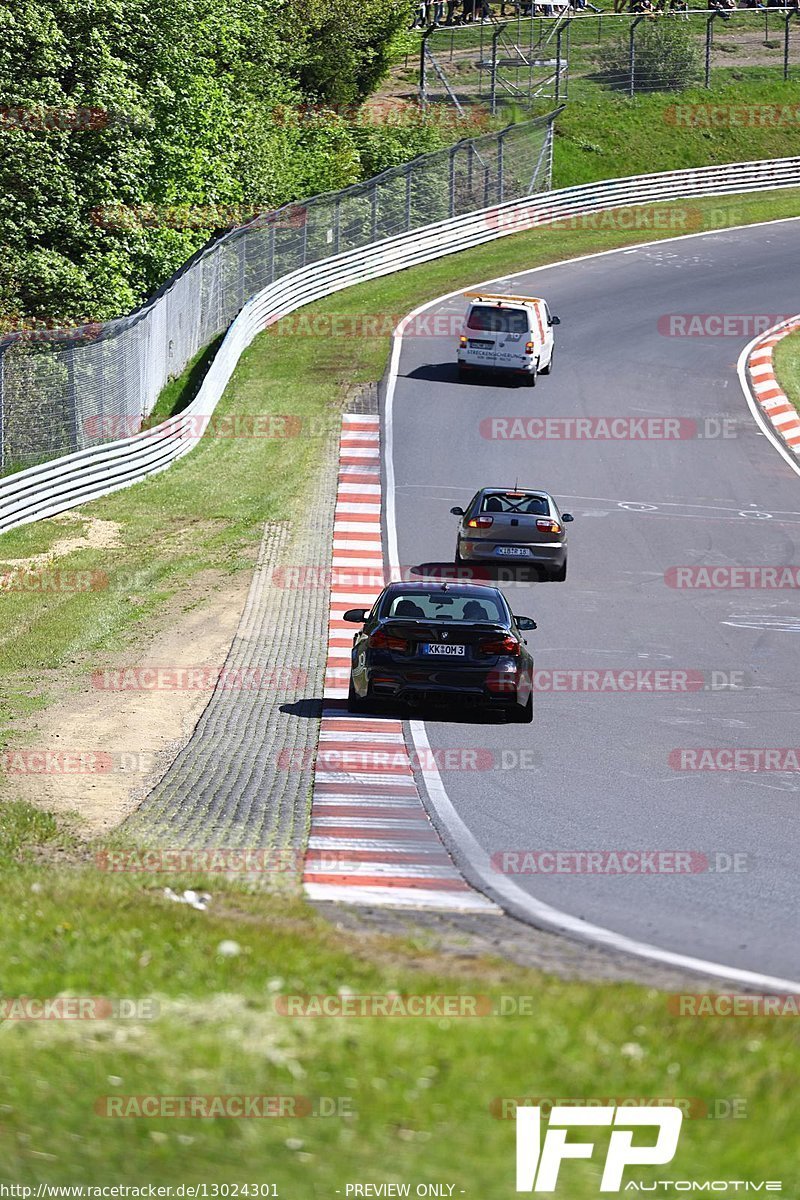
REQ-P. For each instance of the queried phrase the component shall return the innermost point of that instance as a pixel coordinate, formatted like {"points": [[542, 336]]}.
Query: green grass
{"points": [[786, 359], [421, 1088], [417, 1092], [632, 137]]}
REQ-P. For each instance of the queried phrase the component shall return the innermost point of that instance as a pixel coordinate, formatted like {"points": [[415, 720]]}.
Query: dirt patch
{"points": [[96, 535], [107, 745]]}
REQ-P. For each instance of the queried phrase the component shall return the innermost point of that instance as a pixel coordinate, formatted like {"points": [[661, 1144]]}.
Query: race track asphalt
{"points": [[597, 774]]}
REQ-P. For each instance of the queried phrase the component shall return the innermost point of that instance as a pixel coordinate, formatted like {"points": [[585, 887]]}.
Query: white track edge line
{"points": [[543, 914]]}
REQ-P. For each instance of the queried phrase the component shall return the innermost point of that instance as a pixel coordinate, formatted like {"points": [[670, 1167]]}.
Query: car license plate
{"points": [[454, 650], [514, 551]]}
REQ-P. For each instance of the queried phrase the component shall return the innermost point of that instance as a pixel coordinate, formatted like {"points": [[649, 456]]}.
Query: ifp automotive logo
{"points": [[538, 1161]]}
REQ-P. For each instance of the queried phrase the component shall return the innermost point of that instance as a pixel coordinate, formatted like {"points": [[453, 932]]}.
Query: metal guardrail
{"points": [[53, 487]]}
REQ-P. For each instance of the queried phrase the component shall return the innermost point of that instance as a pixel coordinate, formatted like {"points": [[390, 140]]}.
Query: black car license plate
{"points": [[451, 651]]}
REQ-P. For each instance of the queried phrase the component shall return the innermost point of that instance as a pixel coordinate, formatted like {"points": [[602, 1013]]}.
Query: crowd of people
{"points": [[468, 12], [724, 7]]}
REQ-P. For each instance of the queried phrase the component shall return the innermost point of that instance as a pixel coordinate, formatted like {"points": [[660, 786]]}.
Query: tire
{"points": [[355, 703], [521, 714], [560, 573], [546, 370]]}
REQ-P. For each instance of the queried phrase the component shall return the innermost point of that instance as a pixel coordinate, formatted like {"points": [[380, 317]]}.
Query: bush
{"points": [[666, 58]]}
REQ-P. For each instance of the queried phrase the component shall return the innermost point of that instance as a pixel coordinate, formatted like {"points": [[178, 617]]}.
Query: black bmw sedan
{"points": [[424, 642]]}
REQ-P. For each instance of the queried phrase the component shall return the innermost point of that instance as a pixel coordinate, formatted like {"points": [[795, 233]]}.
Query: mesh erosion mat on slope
{"points": [[243, 780]]}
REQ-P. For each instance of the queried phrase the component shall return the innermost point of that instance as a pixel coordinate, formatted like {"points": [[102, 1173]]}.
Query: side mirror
{"points": [[567, 517], [457, 512], [357, 616], [525, 623], [555, 320]]}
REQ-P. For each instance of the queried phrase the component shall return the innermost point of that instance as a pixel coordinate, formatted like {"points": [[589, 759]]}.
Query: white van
{"points": [[506, 333]]}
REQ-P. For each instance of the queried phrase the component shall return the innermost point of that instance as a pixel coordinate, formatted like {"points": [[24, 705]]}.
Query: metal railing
{"points": [[94, 383], [53, 487], [516, 60]]}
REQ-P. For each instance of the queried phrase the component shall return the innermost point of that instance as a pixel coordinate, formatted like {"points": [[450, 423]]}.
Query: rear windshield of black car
{"points": [[435, 605], [528, 505], [498, 320]]}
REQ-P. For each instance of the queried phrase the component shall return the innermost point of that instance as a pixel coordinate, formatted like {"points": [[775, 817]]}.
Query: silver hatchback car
{"points": [[522, 525]]}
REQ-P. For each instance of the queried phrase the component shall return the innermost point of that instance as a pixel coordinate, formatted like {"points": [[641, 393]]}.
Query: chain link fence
{"points": [[74, 389], [517, 60], [729, 46], [507, 62]]}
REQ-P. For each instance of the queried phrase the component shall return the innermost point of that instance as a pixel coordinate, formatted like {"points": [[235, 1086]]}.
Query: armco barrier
{"points": [[45, 490]]}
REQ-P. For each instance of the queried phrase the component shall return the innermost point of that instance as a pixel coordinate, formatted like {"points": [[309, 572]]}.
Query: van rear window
{"points": [[498, 320]]}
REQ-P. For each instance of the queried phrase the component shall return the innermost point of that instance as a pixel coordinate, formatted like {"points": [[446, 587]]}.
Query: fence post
{"points": [[558, 67], [550, 140], [337, 224], [374, 203], [272, 251], [423, 72], [69, 358], [452, 161], [2, 410], [500, 166], [709, 39], [495, 36], [632, 55], [786, 23]]}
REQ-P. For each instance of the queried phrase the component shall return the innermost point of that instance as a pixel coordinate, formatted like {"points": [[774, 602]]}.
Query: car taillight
{"points": [[380, 640], [480, 522], [499, 645], [547, 526], [529, 347], [462, 341]]}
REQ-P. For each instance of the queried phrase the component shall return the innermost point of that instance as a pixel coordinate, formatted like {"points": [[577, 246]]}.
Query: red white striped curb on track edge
{"points": [[771, 398], [371, 840]]}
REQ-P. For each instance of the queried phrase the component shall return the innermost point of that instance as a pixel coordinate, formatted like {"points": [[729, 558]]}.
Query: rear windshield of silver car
{"points": [[527, 505], [498, 320]]}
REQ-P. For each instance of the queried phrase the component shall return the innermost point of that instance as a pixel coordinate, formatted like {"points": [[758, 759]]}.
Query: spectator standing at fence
{"points": [[420, 15], [468, 11]]}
